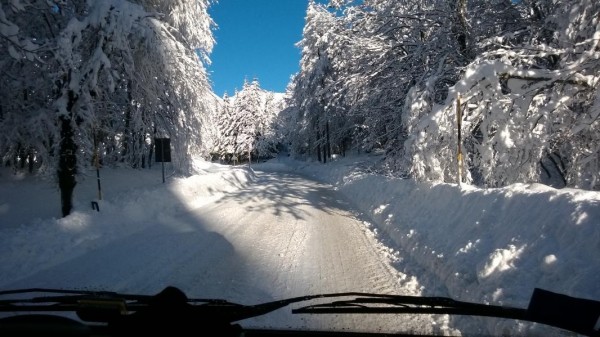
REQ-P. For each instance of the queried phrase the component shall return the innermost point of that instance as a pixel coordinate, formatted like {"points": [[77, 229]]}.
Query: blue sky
{"points": [[255, 39]]}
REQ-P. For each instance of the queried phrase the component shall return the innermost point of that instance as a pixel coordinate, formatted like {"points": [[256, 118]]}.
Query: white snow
{"points": [[481, 245]]}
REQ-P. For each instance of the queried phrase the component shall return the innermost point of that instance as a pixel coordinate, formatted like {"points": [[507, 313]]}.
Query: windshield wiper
{"points": [[126, 312], [65, 297], [86, 303], [395, 304], [570, 313]]}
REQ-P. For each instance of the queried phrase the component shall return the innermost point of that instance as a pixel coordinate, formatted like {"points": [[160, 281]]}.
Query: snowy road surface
{"points": [[280, 236], [228, 232], [295, 237]]}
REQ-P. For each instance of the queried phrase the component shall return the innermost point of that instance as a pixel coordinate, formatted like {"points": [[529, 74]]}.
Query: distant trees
{"points": [[387, 75], [83, 79], [319, 98], [245, 125]]}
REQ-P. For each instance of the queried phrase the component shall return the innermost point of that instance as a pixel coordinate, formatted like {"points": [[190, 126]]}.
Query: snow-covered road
{"points": [[280, 235], [264, 234], [299, 237], [294, 236]]}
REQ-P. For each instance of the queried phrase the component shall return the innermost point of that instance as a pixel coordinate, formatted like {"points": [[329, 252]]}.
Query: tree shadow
{"points": [[286, 193]]}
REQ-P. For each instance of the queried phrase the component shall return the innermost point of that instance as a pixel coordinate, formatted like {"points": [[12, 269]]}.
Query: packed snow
{"points": [[433, 239]]}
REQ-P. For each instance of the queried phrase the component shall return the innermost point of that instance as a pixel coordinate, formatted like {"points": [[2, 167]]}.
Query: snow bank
{"points": [[33, 237], [482, 245]]}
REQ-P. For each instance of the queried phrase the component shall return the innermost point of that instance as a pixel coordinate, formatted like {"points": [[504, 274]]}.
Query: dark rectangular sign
{"points": [[162, 147]]}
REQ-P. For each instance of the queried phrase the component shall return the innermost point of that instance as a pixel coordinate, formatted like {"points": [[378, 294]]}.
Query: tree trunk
{"points": [[30, 160], [560, 166], [324, 148], [317, 142], [462, 30], [328, 140], [67, 164], [319, 153], [151, 152], [127, 132], [22, 157]]}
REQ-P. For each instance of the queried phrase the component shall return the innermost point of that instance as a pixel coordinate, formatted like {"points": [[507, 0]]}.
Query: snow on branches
{"points": [[526, 74], [530, 110], [244, 125], [110, 74]]}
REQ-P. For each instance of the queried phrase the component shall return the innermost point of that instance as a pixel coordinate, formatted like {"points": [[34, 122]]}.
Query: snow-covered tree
{"points": [[246, 123], [268, 140], [106, 77], [27, 85], [394, 70], [530, 107], [357, 67], [313, 93], [211, 126], [224, 147], [247, 107]]}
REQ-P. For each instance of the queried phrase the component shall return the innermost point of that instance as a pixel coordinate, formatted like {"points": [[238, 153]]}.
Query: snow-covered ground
{"points": [[491, 245], [481, 245]]}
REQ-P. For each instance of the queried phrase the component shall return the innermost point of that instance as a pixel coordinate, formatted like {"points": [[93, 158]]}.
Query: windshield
{"points": [[421, 148]]}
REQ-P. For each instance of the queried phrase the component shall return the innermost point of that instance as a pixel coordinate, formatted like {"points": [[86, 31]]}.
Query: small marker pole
{"points": [[97, 164], [459, 126]]}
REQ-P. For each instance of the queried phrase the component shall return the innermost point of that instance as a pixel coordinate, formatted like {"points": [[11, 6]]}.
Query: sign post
{"points": [[97, 164], [96, 160]]}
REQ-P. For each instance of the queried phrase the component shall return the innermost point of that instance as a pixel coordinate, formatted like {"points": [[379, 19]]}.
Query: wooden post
{"points": [[459, 150], [97, 164]]}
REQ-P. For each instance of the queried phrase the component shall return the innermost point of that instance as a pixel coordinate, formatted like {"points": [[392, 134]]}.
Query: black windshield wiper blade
{"points": [[72, 293], [72, 300], [257, 310], [61, 300], [366, 303], [573, 314], [64, 296], [570, 313]]}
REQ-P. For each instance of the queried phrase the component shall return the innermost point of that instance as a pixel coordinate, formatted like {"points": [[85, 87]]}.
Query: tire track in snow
{"points": [[299, 237]]}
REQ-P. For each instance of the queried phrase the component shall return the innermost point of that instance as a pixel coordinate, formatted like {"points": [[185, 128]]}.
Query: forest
{"points": [[483, 92]]}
